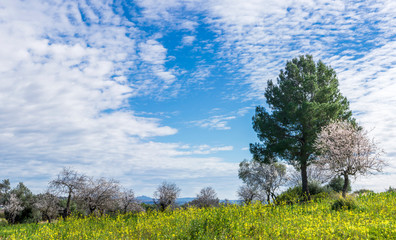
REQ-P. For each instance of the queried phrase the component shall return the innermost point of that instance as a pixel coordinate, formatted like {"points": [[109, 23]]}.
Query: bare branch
{"points": [[348, 151], [166, 195]]}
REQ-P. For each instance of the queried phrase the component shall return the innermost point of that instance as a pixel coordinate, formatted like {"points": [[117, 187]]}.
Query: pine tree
{"points": [[305, 98]]}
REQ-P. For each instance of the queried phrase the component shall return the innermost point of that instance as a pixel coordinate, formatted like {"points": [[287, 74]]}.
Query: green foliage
{"points": [[305, 98], [3, 223], [391, 190], [295, 194], [363, 191], [75, 209], [337, 183], [322, 196], [29, 213], [4, 188], [347, 203], [373, 219], [290, 196], [149, 207]]}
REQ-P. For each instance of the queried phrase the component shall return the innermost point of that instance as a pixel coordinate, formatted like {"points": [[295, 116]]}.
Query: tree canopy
{"points": [[347, 150], [304, 99]]}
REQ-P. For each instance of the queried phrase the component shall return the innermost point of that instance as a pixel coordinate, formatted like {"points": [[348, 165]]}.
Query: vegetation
{"points": [[305, 98], [303, 128], [337, 184], [166, 195], [295, 194], [347, 150], [207, 197], [264, 178], [344, 203], [374, 218]]}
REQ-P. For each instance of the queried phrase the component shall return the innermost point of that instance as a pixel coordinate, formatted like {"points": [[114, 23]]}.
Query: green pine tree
{"points": [[305, 98]]}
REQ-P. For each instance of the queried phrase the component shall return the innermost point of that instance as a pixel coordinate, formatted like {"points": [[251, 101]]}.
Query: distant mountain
{"points": [[182, 201], [145, 199], [149, 200]]}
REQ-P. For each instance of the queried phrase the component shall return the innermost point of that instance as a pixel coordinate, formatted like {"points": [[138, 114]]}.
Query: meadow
{"points": [[373, 218]]}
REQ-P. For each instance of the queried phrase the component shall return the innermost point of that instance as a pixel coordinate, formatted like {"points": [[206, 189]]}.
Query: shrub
{"points": [[321, 196], [295, 195], [290, 196], [363, 191], [391, 190], [346, 203], [337, 183]]}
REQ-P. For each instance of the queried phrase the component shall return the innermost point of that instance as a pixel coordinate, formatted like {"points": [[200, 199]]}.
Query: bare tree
{"points": [[248, 193], [128, 202], [262, 176], [48, 205], [13, 207], [98, 195], [68, 182], [206, 198], [166, 195], [347, 151]]}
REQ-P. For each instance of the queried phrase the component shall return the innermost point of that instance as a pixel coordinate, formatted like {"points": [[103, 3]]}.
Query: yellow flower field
{"points": [[375, 218]]}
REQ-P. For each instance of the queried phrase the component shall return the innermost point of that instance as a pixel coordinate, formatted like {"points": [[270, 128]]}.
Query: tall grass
{"points": [[373, 218]]}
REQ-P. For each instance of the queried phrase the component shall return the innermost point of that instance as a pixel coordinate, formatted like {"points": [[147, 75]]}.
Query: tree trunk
{"points": [[345, 187], [304, 179], [48, 218], [67, 210], [273, 196]]}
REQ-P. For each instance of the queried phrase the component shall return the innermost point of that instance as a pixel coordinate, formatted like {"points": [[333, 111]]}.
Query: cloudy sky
{"points": [[149, 90]]}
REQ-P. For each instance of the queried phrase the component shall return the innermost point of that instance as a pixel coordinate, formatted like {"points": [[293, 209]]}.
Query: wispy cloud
{"points": [[188, 40], [220, 122], [356, 38], [215, 122], [68, 70], [206, 149]]}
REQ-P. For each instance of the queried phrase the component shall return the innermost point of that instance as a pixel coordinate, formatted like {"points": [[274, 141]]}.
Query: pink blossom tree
{"points": [[347, 151]]}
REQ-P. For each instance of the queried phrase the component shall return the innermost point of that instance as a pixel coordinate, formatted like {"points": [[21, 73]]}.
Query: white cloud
{"points": [[206, 149], [152, 52], [215, 122], [370, 85], [356, 38], [220, 122], [188, 40], [64, 79], [63, 83]]}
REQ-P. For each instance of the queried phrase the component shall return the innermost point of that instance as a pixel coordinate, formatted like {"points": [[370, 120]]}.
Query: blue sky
{"points": [[148, 90]]}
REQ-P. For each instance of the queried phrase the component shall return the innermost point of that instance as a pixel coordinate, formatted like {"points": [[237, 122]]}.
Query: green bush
{"points": [[346, 203], [391, 190], [290, 196], [295, 195], [337, 183], [363, 191], [321, 196]]}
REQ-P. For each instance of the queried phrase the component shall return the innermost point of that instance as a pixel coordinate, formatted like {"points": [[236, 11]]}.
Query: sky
{"points": [[147, 91]]}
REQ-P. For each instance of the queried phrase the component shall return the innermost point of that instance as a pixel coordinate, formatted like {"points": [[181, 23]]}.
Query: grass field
{"points": [[374, 218]]}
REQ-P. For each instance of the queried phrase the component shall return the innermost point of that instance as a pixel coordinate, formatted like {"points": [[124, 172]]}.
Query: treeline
{"points": [[80, 195], [75, 193], [263, 183]]}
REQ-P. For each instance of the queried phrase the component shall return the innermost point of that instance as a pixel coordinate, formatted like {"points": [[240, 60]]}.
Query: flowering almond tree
{"points": [[347, 151]]}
